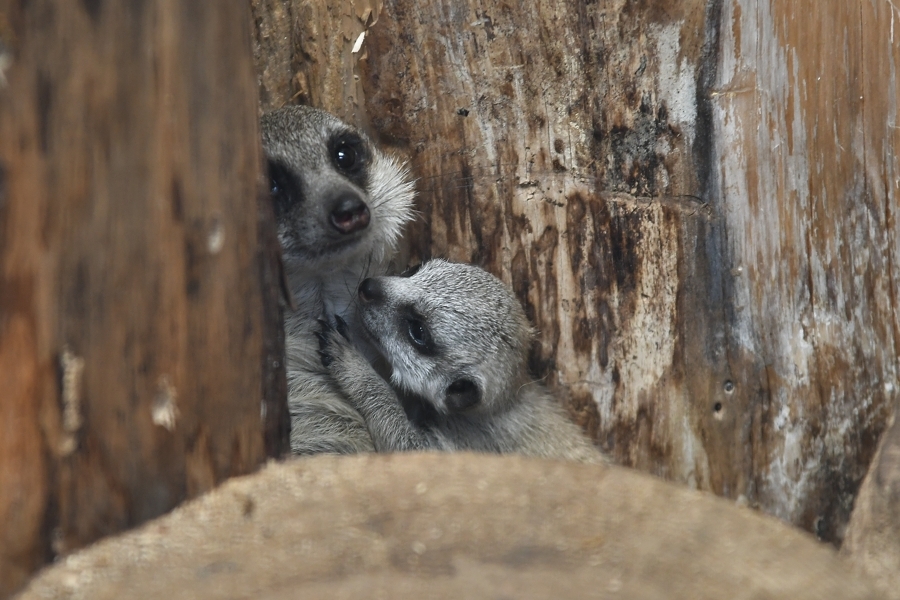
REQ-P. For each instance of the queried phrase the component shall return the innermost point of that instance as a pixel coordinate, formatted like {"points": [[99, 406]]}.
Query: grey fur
{"points": [[469, 373], [323, 264]]}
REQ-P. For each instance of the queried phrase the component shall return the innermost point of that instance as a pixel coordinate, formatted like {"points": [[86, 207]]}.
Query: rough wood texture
{"points": [[304, 53], [454, 526], [872, 543], [805, 112], [694, 199], [134, 297], [555, 146]]}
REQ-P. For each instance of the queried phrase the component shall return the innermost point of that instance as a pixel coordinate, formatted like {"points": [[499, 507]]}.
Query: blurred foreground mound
{"points": [[453, 526]]}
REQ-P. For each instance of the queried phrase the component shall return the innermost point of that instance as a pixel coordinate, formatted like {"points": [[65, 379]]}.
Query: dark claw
{"points": [[327, 359], [342, 327], [323, 339]]}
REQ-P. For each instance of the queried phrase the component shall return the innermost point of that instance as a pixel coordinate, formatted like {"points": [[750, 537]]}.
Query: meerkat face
{"points": [[337, 198], [454, 334]]}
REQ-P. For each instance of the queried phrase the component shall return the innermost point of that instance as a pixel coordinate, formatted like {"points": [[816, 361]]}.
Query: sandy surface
{"points": [[453, 526]]}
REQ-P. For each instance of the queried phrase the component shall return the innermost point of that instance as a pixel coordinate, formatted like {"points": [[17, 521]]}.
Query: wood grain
{"points": [[804, 109], [134, 292]]}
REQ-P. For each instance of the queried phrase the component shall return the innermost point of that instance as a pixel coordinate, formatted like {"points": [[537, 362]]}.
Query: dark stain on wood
{"points": [[44, 98], [634, 153], [94, 8], [4, 205], [583, 409]]}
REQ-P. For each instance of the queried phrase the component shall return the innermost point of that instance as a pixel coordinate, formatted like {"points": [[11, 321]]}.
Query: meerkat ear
{"points": [[462, 394]]}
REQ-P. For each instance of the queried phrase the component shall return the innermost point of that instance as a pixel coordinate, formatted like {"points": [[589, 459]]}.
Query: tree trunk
{"points": [[134, 293], [694, 200], [805, 105]]}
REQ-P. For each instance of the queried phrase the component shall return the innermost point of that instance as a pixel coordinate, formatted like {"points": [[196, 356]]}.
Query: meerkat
{"points": [[457, 341], [340, 207]]}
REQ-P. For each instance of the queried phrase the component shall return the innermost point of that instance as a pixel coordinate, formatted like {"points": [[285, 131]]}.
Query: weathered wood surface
{"points": [[304, 53], [454, 526], [805, 116], [872, 542], [555, 147], [134, 298], [694, 199]]}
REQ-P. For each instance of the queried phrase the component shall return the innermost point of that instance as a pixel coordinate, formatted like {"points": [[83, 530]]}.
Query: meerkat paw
{"points": [[335, 348], [347, 367]]}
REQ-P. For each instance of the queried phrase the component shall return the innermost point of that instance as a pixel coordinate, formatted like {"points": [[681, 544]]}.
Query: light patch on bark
{"points": [[72, 376], [165, 409], [760, 238], [5, 63], [678, 79], [648, 347], [215, 239], [693, 455]]}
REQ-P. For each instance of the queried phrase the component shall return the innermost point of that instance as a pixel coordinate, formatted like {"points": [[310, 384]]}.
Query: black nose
{"points": [[350, 214], [370, 290]]}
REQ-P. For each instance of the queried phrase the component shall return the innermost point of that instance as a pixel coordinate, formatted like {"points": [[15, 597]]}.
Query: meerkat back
{"points": [[340, 205]]}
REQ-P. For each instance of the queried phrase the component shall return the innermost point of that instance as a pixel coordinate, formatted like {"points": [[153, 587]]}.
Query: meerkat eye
{"points": [[419, 334], [345, 156], [416, 331]]}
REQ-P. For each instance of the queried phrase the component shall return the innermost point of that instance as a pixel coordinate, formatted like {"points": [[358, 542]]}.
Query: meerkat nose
{"points": [[370, 290], [350, 215]]}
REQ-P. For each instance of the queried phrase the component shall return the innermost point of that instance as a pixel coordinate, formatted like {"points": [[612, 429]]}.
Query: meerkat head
{"points": [[454, 335], [337, 199]]}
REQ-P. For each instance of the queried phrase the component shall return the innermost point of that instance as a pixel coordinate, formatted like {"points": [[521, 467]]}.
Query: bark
{"points": [[804, 111], [136, 280], [694, 199]]}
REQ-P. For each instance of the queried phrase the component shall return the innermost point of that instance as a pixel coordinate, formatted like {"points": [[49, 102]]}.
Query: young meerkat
{"points": [[457, 341], [340, 206]]}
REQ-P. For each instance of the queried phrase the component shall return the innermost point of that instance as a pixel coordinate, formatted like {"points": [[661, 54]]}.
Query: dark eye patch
{"points": [[283, 187]]}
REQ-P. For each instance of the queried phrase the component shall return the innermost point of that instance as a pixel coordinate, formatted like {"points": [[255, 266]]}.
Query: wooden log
{"points": [[804, 107], [136, 274], [690, 197]]}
